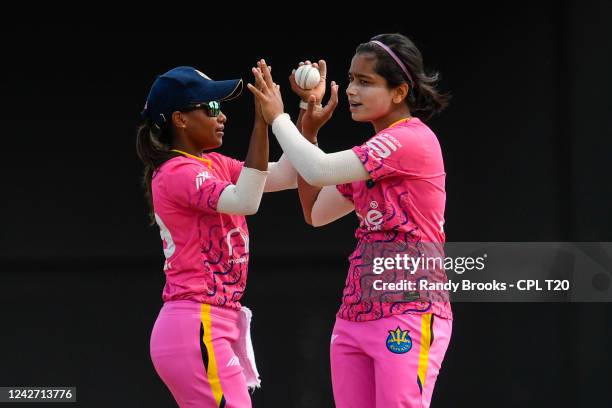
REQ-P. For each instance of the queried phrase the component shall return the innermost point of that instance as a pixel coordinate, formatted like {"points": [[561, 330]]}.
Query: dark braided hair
{"points": [[153, 149]]}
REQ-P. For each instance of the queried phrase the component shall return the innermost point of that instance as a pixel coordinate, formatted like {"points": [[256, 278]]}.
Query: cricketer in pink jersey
{"points": [[200, 344], [385, 351], [207, 252], [402, 201]]}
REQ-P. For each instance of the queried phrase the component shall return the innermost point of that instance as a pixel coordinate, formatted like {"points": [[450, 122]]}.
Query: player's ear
{"points": [[400, 93], [178, 120]]}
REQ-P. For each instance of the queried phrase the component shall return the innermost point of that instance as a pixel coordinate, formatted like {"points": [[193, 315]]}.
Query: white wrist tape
{"points": [[304, 105]]}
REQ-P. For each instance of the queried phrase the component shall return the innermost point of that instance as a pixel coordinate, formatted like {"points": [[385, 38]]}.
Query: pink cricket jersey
{"points": [[403, 202], [207, 252]]}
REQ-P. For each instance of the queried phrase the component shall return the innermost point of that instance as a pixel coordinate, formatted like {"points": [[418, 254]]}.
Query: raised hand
{"points": [[318, 91], [315, 117], [267, 92], [259, 118], [258, 114]]}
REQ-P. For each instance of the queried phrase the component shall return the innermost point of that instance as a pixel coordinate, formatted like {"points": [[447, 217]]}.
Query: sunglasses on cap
{"points": [[212, 109]]}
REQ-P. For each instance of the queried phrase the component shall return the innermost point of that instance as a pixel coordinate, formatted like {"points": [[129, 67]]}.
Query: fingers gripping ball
{"points": [[307, 77]]}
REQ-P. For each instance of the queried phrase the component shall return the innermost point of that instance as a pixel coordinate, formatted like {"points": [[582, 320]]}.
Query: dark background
{"points": [[527, 146]]}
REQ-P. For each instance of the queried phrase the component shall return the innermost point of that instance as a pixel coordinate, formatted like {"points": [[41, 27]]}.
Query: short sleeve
{"points": [[235, 167], [346, 190], [401, 152], [193, 186], [227, 166]]}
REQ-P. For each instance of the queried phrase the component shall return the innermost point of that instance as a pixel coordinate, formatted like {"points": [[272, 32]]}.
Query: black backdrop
{"points": [[526, 142]]}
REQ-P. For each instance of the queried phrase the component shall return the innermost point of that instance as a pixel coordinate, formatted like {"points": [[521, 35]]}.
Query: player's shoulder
{"points": [[413, 132], [179, 166], [221, 160], [216, 156], [410, 128]]}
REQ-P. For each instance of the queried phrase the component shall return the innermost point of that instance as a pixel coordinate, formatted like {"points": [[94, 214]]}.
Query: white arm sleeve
{"points": [[329, 206], [244, 197], [281, 175], [315, 166]]}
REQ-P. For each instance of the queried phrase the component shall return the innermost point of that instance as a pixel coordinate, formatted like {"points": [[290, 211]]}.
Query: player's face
{"points": [[368, 94], [203, 130]]}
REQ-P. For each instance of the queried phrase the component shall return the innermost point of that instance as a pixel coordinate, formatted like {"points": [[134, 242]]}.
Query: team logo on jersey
{"points": [[200, 178], [398, 341], [373, 219], [233, 362], [382, 145], [243, 236]]}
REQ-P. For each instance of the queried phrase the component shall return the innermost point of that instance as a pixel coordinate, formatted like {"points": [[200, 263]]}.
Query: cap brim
{"points": [[225, 90]]}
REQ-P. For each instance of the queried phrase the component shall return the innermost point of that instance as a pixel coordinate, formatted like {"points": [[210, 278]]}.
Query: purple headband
{"points": [[399, 61]]}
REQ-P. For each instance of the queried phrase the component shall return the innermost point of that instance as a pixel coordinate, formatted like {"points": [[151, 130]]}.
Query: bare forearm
{"points": [[308, 195], [257, 155]]}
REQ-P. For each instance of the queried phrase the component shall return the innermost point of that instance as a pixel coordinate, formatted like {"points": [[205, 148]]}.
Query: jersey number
{"points": [[166, 237]]}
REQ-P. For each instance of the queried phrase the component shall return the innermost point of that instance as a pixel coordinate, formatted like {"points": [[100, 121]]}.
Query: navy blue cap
{"points": [[182, 87]]}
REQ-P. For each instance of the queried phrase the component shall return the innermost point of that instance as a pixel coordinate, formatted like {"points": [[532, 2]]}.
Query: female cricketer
{"points": [[384, 353], [200, 344]]}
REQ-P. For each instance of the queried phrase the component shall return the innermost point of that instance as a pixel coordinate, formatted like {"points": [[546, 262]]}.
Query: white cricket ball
{"points": [[307, 77]]}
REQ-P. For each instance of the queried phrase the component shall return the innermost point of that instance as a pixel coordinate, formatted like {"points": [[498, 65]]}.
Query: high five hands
{"points": [[267, 92]]}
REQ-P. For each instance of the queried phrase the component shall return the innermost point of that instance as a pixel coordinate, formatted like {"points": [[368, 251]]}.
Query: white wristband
{"points": [[304, 105]]}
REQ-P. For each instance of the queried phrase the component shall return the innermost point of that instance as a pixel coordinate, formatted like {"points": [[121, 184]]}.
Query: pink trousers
{"points": [[391, 362], [191, 349]]}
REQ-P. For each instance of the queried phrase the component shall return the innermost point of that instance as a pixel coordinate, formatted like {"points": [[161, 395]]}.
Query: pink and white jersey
{"points": [[402, 202], [207, 252]]}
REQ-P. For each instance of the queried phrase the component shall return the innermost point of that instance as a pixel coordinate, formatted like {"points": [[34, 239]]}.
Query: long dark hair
{"points": [[423, 99], [153, 149]]}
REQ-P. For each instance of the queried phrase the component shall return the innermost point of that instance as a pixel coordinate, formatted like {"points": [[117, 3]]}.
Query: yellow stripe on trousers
{"points": [[425, 343], [213, 372]]}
